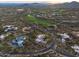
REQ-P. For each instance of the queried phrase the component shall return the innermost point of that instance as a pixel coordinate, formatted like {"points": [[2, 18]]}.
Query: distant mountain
{"points": [[72, 4], [36, 5], [10, 4], [31, 5]]}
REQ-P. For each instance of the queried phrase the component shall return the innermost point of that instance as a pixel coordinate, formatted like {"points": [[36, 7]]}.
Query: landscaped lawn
{"points": [[39, 21]]}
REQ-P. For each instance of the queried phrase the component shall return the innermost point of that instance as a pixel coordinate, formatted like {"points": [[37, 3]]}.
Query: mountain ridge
{"points": [[72, 4]]}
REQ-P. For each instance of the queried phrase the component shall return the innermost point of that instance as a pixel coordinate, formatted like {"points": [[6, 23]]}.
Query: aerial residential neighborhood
{"points": [[37, 29]]}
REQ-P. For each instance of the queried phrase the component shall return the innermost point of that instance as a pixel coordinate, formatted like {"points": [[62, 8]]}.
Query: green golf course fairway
{"points": [[38, 21]]}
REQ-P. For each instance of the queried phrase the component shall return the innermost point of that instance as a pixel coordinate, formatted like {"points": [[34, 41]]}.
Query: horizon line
{"points": [[35, 2]]}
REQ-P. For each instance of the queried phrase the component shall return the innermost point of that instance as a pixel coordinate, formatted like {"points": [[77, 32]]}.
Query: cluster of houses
{"points": [[76, 48], [9, 28], [40, 39], [64, 37], [20, 39]]}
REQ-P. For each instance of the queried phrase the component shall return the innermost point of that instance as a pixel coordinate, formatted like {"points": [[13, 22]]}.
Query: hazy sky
{"points": [[50, 1]]}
